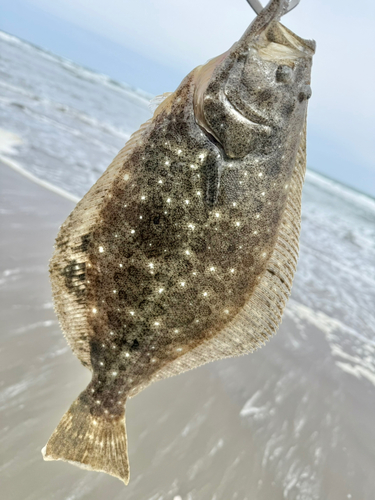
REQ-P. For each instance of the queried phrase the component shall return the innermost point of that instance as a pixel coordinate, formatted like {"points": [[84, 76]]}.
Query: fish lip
{"points": [[305, 45], [256, 117], [278, 33]]}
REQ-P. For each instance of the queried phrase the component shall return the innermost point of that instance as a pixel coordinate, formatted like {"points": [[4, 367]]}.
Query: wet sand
{"points": [[291, 421]]}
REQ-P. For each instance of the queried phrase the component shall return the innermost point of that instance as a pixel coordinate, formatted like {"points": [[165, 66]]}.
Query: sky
{"points": [[153, 44]]}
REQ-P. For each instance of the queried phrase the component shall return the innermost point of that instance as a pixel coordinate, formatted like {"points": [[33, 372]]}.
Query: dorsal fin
{"points": [[258, 321], [68, 263], [157, 100]]}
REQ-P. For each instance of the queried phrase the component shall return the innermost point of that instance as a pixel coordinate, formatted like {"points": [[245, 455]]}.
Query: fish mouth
{"points": [[280, 34], [279, 42]]}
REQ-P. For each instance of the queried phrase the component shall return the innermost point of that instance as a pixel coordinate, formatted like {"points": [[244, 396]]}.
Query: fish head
{"points": [[251, 96]]}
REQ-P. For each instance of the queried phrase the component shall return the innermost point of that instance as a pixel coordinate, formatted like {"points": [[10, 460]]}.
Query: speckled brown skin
{"points": [[169, 246]]}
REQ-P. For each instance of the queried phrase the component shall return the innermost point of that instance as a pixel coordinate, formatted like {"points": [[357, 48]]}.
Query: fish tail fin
{"points": [[91, 442]]}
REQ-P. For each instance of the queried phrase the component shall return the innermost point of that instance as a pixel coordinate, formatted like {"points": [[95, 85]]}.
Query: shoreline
{"points": [[47, 185]]}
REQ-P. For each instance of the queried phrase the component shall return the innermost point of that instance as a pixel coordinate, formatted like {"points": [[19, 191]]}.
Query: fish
{"points": [[185, 249]]}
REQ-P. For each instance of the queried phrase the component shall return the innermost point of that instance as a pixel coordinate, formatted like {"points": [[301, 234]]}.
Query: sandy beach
{"points": [[287, 422]]}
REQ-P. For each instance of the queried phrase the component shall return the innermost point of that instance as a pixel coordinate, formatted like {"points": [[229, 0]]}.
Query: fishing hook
{"points": [[258, 7]]}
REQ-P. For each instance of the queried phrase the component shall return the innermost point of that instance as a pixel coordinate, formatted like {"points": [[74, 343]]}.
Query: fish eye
{"points": [[284, 74]]}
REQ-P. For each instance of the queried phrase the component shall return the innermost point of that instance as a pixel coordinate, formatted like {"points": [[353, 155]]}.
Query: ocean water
{"points": [[64, 124], [71, 121]]}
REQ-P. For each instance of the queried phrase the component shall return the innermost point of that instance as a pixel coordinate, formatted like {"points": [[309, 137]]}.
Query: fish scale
{"points": [[184, 251]]}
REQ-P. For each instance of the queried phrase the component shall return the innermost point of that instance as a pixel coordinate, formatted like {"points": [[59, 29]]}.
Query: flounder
{"points": [[184, 250]]}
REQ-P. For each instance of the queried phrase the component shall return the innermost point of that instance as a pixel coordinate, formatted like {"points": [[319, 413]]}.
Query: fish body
{"points": [[184, 250]]}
